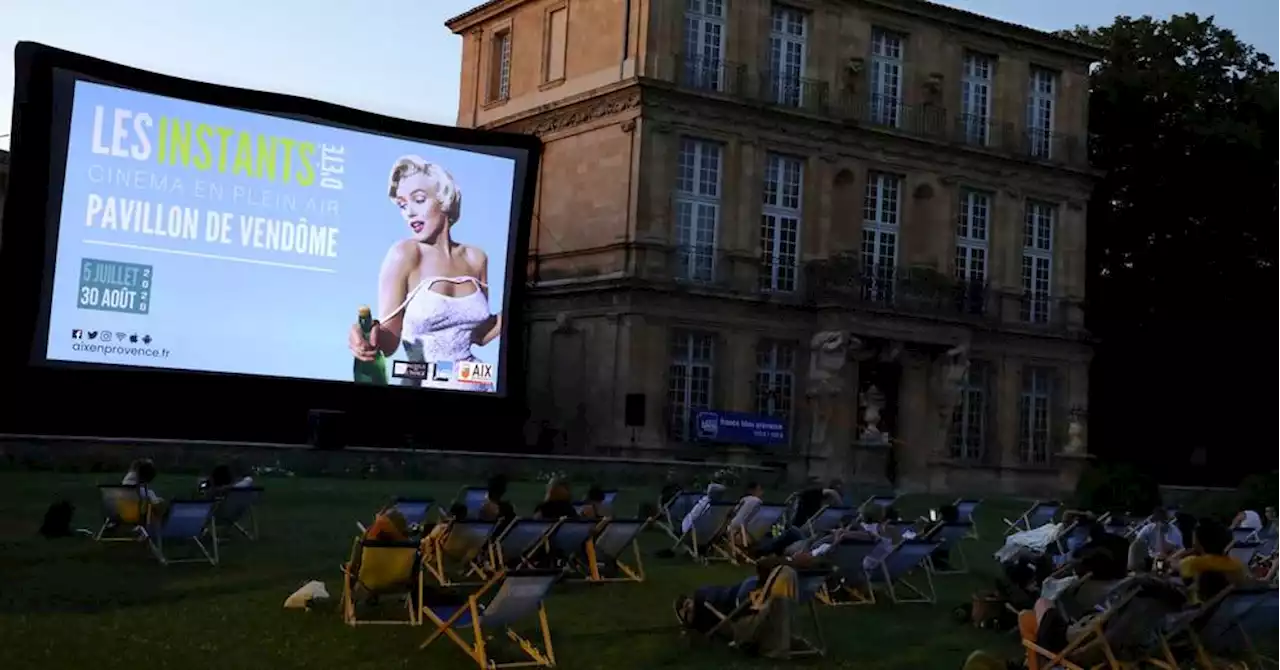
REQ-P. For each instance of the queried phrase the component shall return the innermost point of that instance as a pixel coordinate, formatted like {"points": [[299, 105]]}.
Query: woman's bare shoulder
{"points": [[475, 257], [403, 252]]}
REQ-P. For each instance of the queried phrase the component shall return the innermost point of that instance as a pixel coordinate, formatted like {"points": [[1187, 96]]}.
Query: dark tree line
{"points": [[1182, 250]]}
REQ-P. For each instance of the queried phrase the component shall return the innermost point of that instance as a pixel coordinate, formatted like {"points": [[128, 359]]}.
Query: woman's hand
{"points": [[362, 349]]}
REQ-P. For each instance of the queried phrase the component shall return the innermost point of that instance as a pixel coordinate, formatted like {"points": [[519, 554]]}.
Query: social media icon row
{"points": [[108, 336]]}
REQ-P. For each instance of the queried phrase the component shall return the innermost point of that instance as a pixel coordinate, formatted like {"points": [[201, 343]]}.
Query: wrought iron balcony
{"points": [[890, 113], [843, 279], [789, 90], [1030, 143], [713, 75]]}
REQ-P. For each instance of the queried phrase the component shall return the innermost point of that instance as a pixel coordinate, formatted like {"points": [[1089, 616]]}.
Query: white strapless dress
{"points": [[438, 327]]}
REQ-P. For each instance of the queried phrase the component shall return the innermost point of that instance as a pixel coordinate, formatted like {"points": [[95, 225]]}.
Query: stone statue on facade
{"points": [[828, 353], [1075, 434], [872, 401], [950, 380]]}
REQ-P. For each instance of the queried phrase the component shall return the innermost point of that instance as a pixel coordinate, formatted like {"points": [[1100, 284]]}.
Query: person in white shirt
{"points": [[141, 473], [704, 503], [1248, 520], [751, 500], [1159, 536]]}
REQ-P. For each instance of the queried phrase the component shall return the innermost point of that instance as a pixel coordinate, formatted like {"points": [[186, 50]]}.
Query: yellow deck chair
{"points": [[520, 595], [380, 568], [126, 512]]}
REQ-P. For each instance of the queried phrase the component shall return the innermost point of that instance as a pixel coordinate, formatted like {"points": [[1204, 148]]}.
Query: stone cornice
{"points": [[480, 14], [566, 118]]}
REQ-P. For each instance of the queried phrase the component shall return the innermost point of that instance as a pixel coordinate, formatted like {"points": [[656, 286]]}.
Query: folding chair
{"points": [[1244, 535], [378, 569], [520, 595], [849, 584], [965, 509], [607, 548], [522, 540], [1095, 632], [461, 552], [126, 514], [784, 587], [570, 544], [895, 572], [951, 536], [755, 530], [827, 519], [1037, 515], [707, 532], [416, 511], [1221, 631], [883, 500], [235, 510], [1244, 551], [473, 497], [672, 512], [186, 520]]}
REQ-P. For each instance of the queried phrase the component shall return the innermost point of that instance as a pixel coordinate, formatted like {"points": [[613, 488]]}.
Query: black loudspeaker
{"points": [[634, 414], [326, 429]]}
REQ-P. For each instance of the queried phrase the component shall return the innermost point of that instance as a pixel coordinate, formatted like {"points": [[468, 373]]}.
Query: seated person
{"points": [[558, 504], [430, 543], [389, 525], [1247, 520], [495, 506], [714, 491], [752, 498], [222, 478], [1209, 570], [1160, 538], [808, 503], [693, 612], [141, 473], [595, 508]]}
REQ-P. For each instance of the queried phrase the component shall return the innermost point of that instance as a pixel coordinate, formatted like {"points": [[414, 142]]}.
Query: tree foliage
{"points": [[1182, 240]]}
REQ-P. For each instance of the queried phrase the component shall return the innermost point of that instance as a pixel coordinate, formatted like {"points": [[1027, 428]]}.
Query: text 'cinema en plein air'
{"points": [[122, 133]]}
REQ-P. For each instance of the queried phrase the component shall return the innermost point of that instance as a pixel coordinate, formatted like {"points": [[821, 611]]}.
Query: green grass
{"points": [[73, 603]]}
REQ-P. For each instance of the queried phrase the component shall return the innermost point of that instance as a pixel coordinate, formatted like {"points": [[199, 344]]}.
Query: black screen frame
{"points": [[43, 99]]}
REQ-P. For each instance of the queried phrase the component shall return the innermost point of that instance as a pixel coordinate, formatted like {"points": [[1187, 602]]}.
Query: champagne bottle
{"points": [[374, 371]]}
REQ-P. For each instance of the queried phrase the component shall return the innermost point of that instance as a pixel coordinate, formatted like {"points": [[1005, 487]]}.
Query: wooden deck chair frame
{"points": [[710, 549], [499, 559], [666, 520], [249, 515], [756, 600], [1094, 632], [741, 540], [1203, 658], [137, 521], [761, 597], [157, 536], [476, 649], [632, 571], [851, 595], [923, 594], [1022, 522], [478, 564], [810, 530], [350, 581], [579, 560], [418, 523]]}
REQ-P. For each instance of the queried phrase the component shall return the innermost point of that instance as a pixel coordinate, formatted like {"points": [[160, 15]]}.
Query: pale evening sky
{"points": [[399, 59]]}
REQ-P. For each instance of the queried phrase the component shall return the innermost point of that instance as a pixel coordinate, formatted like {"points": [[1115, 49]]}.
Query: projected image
{"points": [[202, 238]]}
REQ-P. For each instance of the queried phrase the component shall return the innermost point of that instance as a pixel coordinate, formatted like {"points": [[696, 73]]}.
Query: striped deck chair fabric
{"points": [[187, 521], [848, 584], [463, 552], [951, 537], [609, 547], [416, 511], [522, 541], [827, 519], [1037, 515], [126, 513], [904, 573], [520, 595], [378, 568], [707, 532], [236, 510]]}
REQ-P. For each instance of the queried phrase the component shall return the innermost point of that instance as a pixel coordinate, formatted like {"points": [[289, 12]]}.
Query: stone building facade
{"points": [[808, 209]]}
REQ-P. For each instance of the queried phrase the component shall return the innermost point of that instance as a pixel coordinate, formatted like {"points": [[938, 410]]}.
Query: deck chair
{"points": [[519, 595], [782, 592], [235, 510], [708, 532], [849, 584], [966, 508], [126, 514], [827, 519], [464, 551], [1221, 630], [882, 500], [607, 547], [522, 540], [1037, 515], [186, 521], [757, 528], [1039, 658], [416, 511], [473, 497], [896, 573], [951, 536], [1244, 551], [570, 544], [379, 568], [1244, 535], [673, 510]]}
